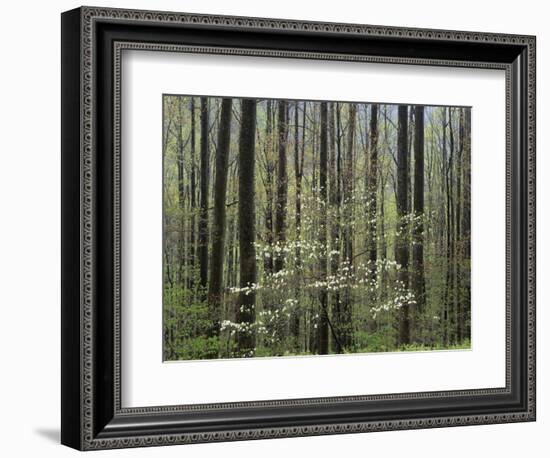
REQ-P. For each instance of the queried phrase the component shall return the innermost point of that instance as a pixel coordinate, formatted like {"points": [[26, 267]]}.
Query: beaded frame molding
{"points": [[92, 43]]}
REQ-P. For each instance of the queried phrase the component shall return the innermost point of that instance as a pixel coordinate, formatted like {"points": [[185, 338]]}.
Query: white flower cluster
{"points": [[268, 322], [247, 290], [232, 327], [309, 249], [406, 298]]}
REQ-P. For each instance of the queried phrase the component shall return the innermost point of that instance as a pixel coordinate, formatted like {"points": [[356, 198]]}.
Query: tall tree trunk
{"points": [[298, 172], [181, 193], [346, 331], [447, 236], [270, 170], [192, 239], [306, 320], [349, 183], [228, 279], [337, 307], [323, 163], [180, 158], [459, 248], [465, 226], [282, 183], [418, 278], [450, 232], [402, 242], [169, 312], [372, 190], [334, 258], [245, 313], [384, 238], [204, 185], [410, 129], [215, 287]]}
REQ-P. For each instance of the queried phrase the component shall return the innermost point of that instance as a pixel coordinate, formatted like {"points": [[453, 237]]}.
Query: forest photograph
{"points": [[301, 228]]}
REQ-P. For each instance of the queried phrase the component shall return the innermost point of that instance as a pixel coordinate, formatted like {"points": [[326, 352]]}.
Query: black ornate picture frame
{"points": [[92, 42]]}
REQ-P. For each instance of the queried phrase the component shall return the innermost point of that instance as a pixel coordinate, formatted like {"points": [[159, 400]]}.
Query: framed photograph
{"points": [[276, 228]]}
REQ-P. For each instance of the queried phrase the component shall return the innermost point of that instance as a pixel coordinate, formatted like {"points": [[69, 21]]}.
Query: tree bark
{"points": [[446, 235], [245, 313], [323, 163], [282, 183], [180, 158], [451, 234], [337, 307], [268, 260], [401, 242], [372, 190], [181, 193], [418, 278], [459, 248], [298, 173], [204, 185], [215, 288], [192, 237], [349, 184], [465, 226], [346, 330]]}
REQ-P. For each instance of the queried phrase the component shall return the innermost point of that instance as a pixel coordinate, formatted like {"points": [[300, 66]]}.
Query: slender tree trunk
{"points": [[169, 312], [346, 331], [384, 239], [450, 233], [181, 193], [298, 171], [282, 183], [410, 130], [215, 287], [447, 236], [245, 313], [349, 183], [465, 226], [402, 242], [304, 313], [384, 242], [268, 261], [228, 279], [459, 248], [192, 236], [372, 190], [337, 307], [180, 158], [418, 278], [204, 185], [334, 258], [323, 163]]}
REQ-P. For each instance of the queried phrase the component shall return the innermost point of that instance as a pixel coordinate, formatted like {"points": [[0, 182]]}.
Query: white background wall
{"points": [[30, 240]]}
